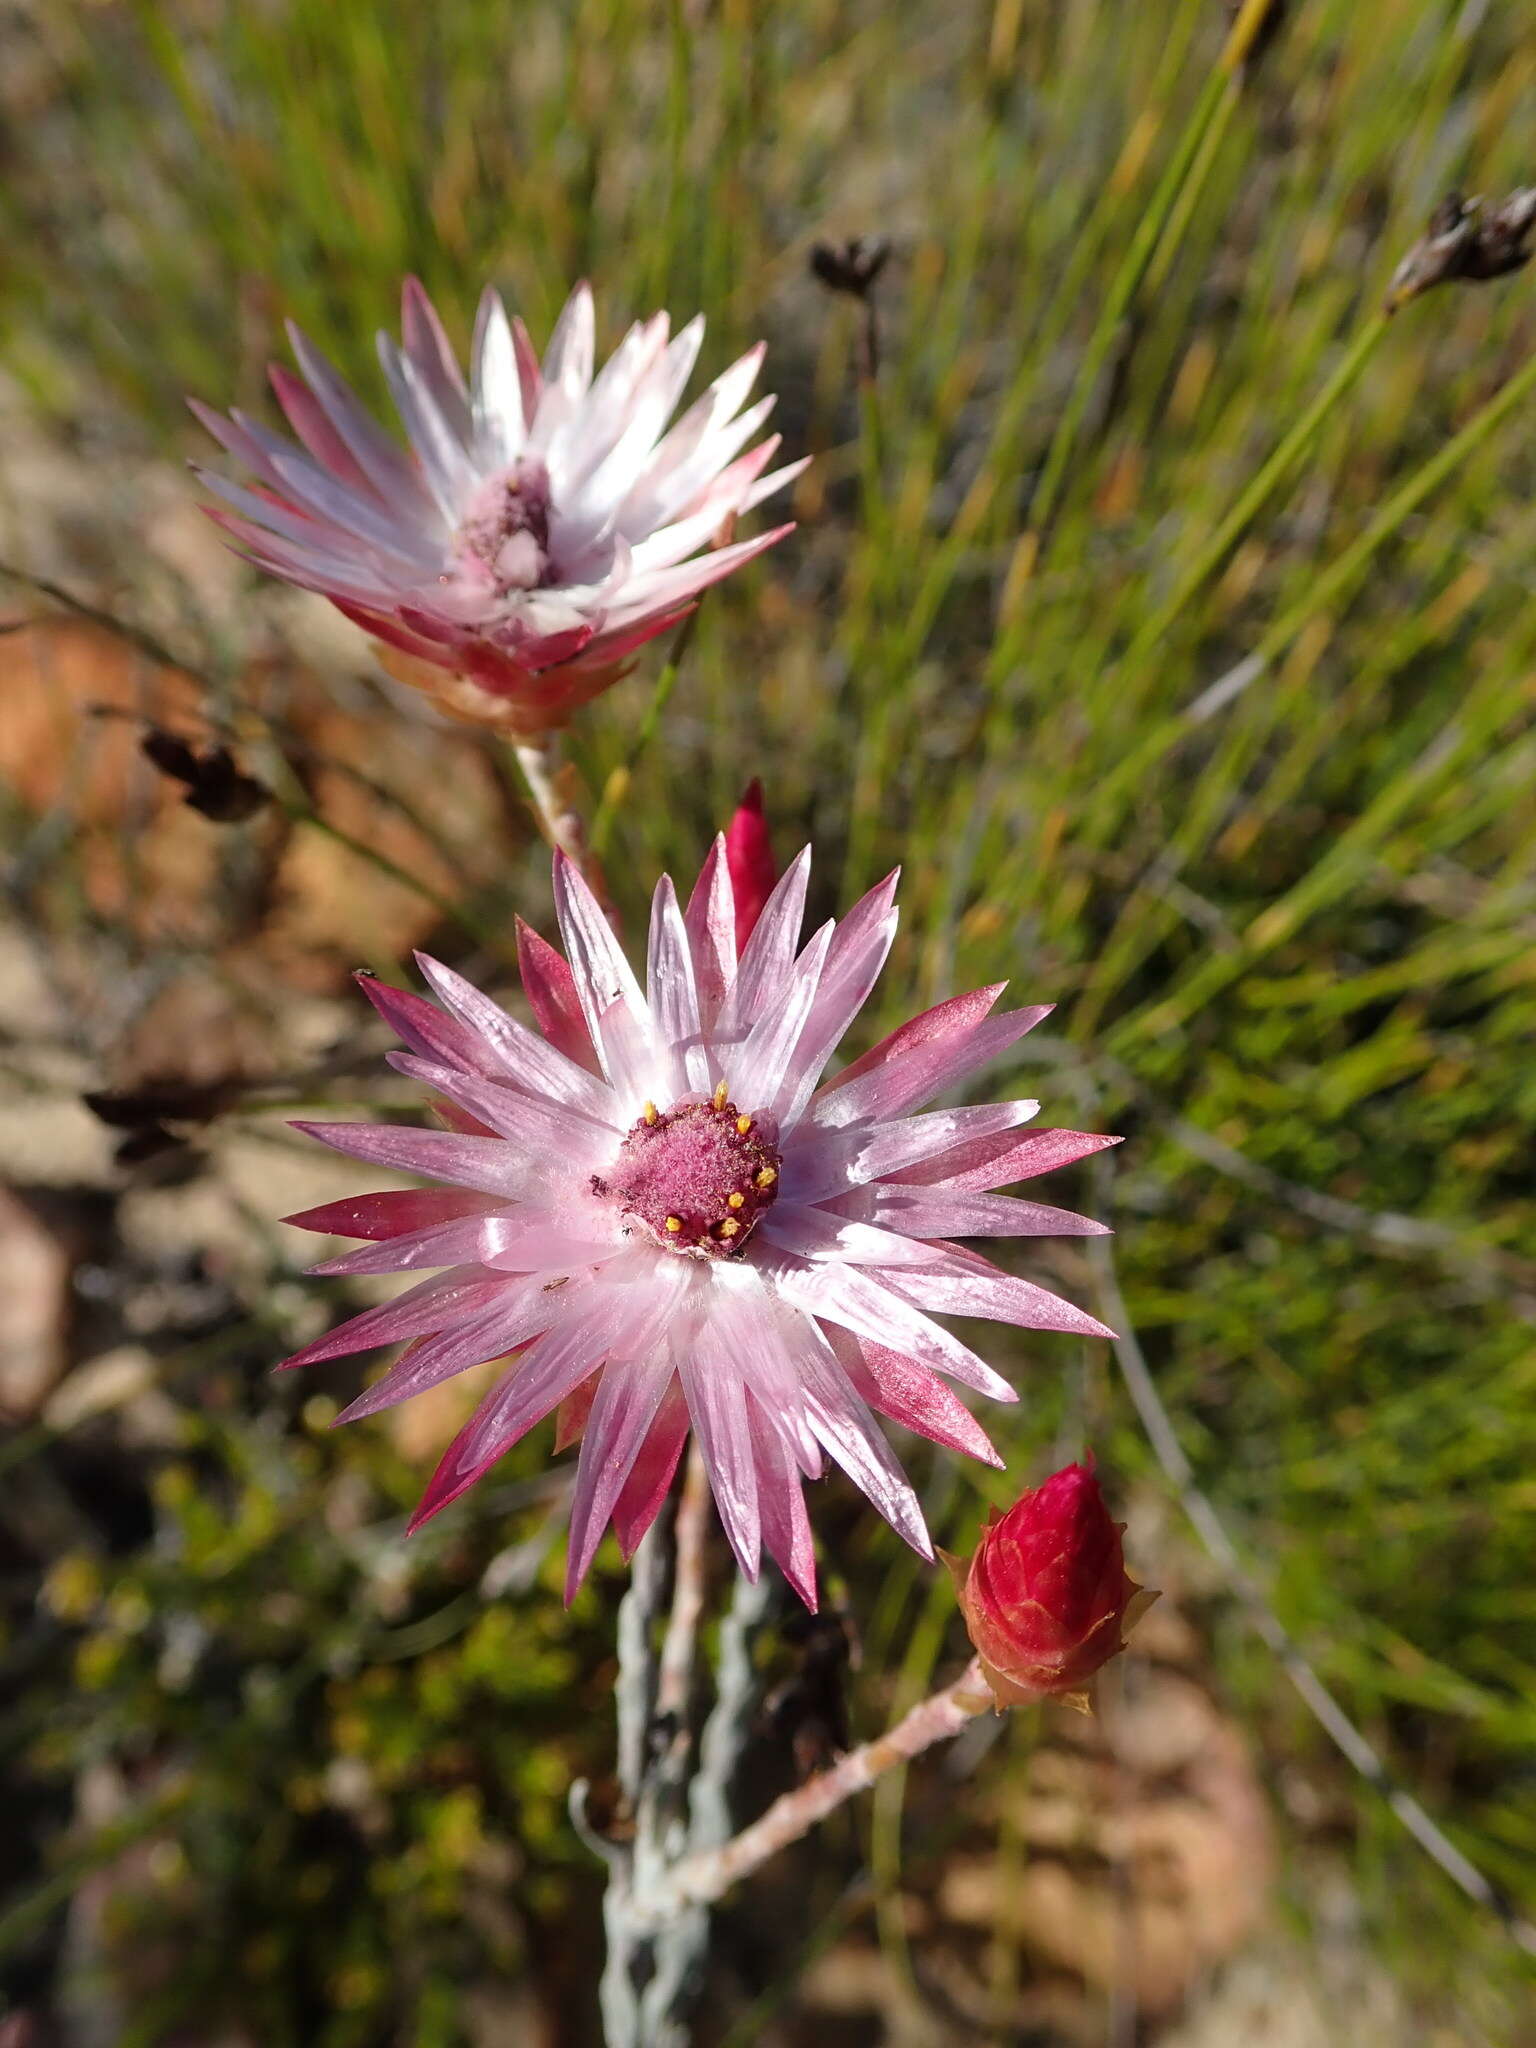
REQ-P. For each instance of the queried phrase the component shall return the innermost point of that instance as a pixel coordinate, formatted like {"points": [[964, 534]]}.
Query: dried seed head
{"points": [[850, 266], [215, 785], [1466, 242]]}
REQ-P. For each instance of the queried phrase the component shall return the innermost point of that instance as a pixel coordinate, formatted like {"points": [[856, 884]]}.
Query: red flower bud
{"points": [[749, 857], [1046, 1598]]}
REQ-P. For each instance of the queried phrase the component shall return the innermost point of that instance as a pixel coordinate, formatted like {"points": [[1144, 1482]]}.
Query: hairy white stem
{"points": [[730, 1721], [675, 1675], [709, 1873], [653, 1969], [552, 793]]}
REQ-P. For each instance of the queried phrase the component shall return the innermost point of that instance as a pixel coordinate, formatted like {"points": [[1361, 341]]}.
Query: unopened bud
{"points": [[749, 857], [1046, 1597]]}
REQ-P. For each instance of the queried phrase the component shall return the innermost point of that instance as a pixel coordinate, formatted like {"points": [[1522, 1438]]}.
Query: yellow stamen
{"points": [[721, 1093], [674, 1225], [729, 1227], [743, 1124], [766, 1176], [649, 1112], [735, 1201]]}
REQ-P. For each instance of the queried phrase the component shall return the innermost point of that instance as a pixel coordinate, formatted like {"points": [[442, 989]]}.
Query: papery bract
{"points": [[1046, 1597], [545, 521], [653, 1209]]}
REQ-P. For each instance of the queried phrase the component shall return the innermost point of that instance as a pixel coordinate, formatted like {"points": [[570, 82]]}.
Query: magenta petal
{"points": [[769, 954], [931, 1213], [781, 1503], [507, 1050], [308, 420], [546, 1134], [871, 1307], [762, 1339], [717, 1403], [455, 1243], [628, 1397], [393, 479], [429, 1361], [611, 1001], [845, 1425], [912, 1395], [544, 1375], [650, 1477], [974, 1287], [759, 1068], [673, 994], [613, 646], [999, 1160], [392, 633], [551, 991], [835, 1237], [958, 1013], [423, 1026], [854, 959], [431, 351], [437, 1304], [571, 1415], [917, 1073], [623, 1313], [884, 1151], [397, 1212], [654, 588], [511, 1240], [488, 1165], [456, 1119], [710, 922]]}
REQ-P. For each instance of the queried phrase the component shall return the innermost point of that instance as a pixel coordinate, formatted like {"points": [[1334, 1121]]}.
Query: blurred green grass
{"points": [[1291, 941]]}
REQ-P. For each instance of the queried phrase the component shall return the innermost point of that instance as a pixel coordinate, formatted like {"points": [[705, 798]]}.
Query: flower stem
{"points": [[551, 784], [619, 782], [708, 1875], [675, 1673]]}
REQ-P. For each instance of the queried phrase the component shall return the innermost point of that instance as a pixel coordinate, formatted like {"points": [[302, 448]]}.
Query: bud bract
{"points": [[749, 857]]}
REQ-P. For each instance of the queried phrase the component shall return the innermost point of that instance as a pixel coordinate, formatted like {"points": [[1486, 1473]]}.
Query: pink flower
{"points": [[1046, 1597], [654, 1206], [545, 523]]}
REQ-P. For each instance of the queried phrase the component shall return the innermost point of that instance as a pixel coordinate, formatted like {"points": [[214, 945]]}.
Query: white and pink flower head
{"points": [[545, 522], [650, 1208]]}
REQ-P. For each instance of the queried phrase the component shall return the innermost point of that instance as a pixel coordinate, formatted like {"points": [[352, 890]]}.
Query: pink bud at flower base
{"points": [[1046, 1598], [749, 857]]}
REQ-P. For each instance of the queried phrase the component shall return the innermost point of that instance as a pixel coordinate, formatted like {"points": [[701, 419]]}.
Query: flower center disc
{"points": [[506, 528], [698, 1176]]}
